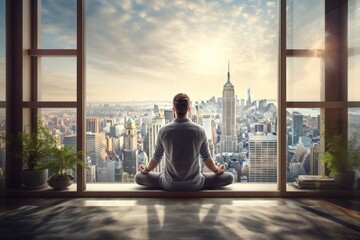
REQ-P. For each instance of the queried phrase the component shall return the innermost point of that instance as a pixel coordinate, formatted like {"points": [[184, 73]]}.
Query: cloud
{"points": [[271, 4], [57, 79], [58, 24], [140, 50]]}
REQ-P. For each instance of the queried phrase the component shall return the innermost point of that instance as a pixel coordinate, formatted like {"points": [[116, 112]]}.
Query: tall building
{"points": [[142, 159], [169, 115], [95, 147], [297, 127], [130, 147], [228, 141], [116, 130], [263, 157], [92, 125], [95, 151], [248, 101], [130, 136], [206, 123], [153, 133]]}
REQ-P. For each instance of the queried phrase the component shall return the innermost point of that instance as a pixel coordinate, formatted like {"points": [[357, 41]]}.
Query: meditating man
{"points": [[183, 142]]}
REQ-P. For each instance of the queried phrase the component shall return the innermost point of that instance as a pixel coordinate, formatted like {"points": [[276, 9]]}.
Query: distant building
{"points": [[116, 130], [130, 147], [248, 101], [95, 147], [142, 158], [91, 174], [206, 123], [92, 125], [111, 170], [297, 127], [228, 138], [306, 141], [169, 115], [119, 171], [262, 157], [153, 134]]}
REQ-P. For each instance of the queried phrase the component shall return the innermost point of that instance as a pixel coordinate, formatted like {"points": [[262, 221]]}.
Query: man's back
{"points": [[182, 141]]}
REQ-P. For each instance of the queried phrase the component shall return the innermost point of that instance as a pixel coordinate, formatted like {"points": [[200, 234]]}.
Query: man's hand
{"points": [[143, 169], [220, 169]]}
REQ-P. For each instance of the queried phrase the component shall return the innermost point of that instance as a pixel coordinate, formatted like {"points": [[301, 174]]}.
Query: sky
{"points": [[150, 50]]}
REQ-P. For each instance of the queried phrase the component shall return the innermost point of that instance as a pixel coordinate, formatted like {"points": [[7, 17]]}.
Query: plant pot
{"points": [[34, 179], [60, 182], [345, 179]]}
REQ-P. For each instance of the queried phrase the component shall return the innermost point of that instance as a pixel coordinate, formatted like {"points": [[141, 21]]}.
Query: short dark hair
{"points": [[181, 102]]}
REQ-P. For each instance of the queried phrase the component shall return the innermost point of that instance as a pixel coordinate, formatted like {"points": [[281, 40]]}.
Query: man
{"points": [[183, 142]]}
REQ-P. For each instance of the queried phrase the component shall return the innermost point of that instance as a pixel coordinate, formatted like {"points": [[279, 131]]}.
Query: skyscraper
{"points": [[297, 127], [95, 147], [263, 157], [157, 123], [95, 150], [248, 101], [207, 124], [130, 147], [92, 125], [228, 142]]}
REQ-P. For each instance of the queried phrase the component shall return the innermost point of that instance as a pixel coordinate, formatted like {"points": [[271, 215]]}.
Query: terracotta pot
{"points": [[34, 179], [345, 179], [60, 182]]}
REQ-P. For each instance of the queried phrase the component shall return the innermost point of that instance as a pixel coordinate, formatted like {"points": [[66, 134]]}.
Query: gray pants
{"points": [[212, 180]]}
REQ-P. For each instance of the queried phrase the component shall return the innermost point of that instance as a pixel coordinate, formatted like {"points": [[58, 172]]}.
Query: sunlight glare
{"points": [[209, 56]]}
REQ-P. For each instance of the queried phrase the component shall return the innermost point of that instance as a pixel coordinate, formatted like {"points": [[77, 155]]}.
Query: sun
{"points": [[208, 56]]}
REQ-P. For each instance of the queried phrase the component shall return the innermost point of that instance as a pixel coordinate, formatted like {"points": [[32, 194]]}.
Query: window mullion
{"points": [[282, 99]]}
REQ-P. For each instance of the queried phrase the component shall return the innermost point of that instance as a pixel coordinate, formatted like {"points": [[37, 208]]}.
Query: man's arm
{"points": [[151, 166], [209, 163]]}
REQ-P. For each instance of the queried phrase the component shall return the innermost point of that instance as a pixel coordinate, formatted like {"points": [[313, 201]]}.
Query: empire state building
{"points": [[228, 140]]}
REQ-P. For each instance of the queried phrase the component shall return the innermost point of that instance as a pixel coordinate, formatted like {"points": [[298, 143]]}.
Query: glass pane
{"points": [[304, 78], [354, 51], [305, 24], [354, 122], [303, 146], [2, 51], [62, 125], [58, 24], [354, 131], [2, 146], [150, 51], [57, 80]]}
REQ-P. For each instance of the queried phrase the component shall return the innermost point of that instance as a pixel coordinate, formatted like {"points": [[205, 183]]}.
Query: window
{"points": [[150, 51], [57, 24], [354, 50], [288, 83], [353, 70]]}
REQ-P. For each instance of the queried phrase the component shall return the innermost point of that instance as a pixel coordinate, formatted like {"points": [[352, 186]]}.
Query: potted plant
{"points": [[32, 149], [62, 162], [342, 157]]}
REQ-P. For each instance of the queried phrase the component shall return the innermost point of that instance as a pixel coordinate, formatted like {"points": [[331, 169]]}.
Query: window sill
{"points": [[133, 190]]}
